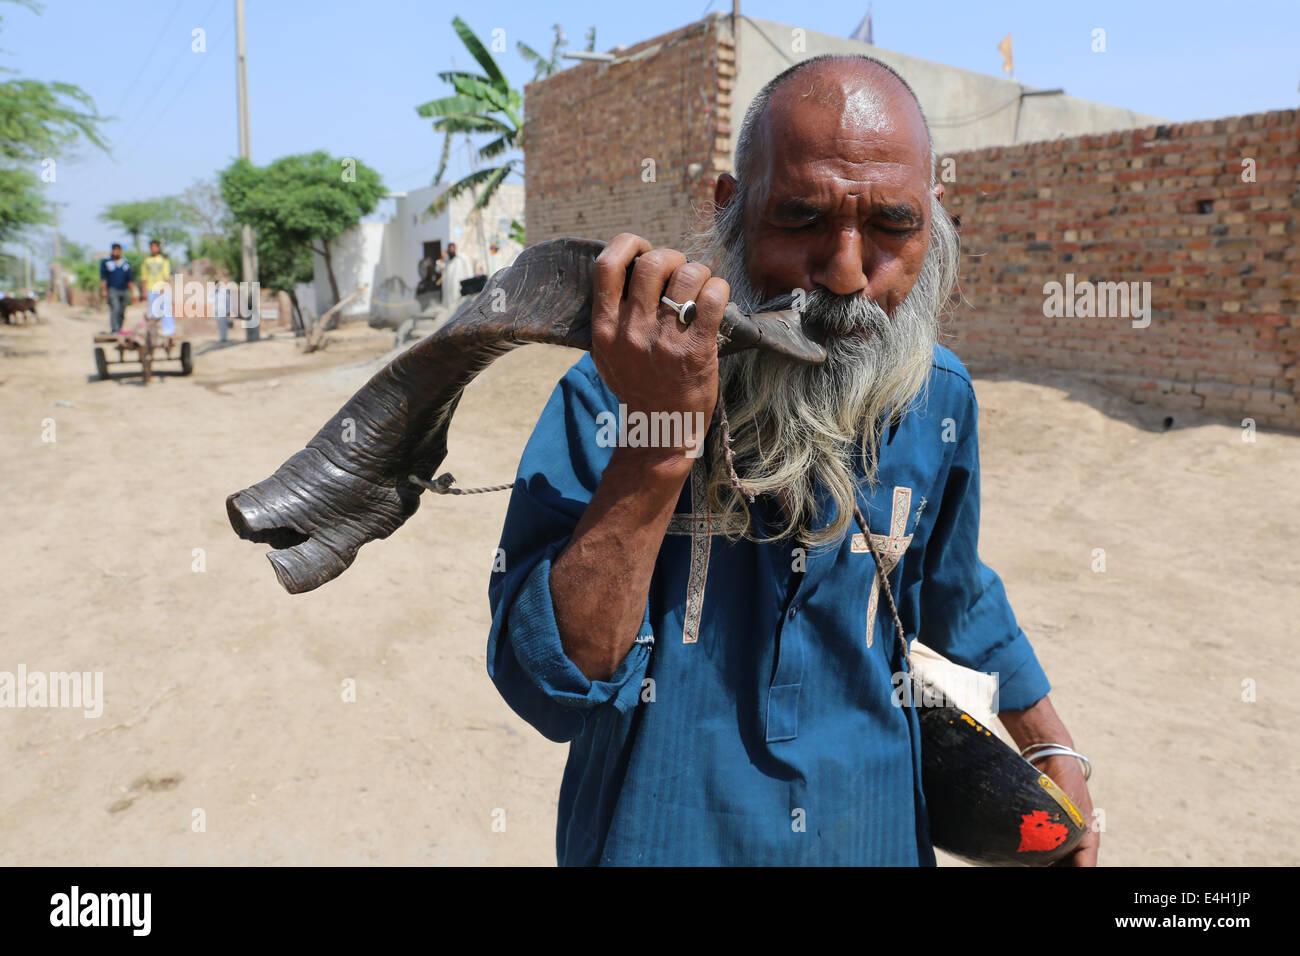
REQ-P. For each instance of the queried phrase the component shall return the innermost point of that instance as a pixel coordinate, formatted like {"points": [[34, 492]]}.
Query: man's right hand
{"points": [[643, 353], [601, 580]]}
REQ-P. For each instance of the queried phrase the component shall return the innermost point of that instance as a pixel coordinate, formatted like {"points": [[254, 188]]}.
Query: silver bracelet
{"points": [[1056, 750]]}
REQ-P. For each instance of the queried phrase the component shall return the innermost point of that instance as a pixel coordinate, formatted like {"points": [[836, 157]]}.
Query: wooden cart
{"points": [[145, 344]]}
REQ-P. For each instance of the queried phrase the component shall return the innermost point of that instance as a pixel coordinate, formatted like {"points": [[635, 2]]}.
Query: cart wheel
{"points": [[187, 359], [101, 364]]}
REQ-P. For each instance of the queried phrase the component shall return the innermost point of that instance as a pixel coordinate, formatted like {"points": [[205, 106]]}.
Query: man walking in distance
{"points": [[115, 285], [154, 274]]}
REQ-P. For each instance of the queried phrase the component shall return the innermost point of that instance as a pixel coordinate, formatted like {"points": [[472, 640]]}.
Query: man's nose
{"points": [[844, 270]]}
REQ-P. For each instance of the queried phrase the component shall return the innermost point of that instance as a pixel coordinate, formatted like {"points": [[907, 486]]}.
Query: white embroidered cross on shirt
{"points": [[891, 548]]}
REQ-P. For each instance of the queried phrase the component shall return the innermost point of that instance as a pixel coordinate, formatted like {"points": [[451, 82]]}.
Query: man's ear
{"points": [[724, 189], [938, 191]]}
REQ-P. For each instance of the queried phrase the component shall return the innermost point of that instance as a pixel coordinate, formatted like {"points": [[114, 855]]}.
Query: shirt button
{"points": [[794, 609]]}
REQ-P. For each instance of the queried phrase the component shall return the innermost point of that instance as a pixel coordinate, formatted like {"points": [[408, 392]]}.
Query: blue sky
{"points": [[345, 76]]}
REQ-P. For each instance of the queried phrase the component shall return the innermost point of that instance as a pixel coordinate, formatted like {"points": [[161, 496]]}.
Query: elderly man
{"points": [[723, 669]]}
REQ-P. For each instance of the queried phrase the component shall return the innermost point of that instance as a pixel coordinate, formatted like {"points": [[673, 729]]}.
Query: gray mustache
{"points": [[843, 313]]}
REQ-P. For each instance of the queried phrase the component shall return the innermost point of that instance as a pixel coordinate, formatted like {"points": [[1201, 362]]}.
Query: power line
{"points": [[426, 168], [145, 108], [775, 46], [195, 72], [968, 118], [198, 67], [145, 63]]}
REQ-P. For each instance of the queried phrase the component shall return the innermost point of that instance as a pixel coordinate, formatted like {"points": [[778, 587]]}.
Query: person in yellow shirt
{"points": [[155, 276]]}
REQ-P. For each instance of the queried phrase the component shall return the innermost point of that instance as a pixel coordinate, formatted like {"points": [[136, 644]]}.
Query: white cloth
{"points": [[160, 307], [453, 273]]}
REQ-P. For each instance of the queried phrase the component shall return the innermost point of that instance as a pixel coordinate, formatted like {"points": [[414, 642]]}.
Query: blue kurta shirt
{"points": [[754, 722]]}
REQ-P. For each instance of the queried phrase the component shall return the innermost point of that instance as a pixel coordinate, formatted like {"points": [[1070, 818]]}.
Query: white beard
{"points": [[799, 429]]}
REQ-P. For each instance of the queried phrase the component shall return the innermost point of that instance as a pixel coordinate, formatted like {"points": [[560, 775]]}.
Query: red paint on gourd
{"points": [[1039, 833]]}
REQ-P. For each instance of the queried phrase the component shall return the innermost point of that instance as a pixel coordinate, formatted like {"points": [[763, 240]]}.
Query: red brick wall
{"points": [[1117, 207], [588, 130], [1225, 315]]}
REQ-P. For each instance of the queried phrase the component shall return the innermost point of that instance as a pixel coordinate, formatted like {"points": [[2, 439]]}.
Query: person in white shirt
{"points": [[455, 269]]}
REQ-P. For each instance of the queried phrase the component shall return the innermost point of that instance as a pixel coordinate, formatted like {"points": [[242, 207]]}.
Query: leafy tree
{"points": [[86, 276], [21, 201], [74, 257], [282, 267], [38, 122], [130, 217], [205, 209], [218, 238], [76, 260], [226, 252], [163, 218], [483, 103], [300, 204], [136, 258], [12, 270], [70, 252]]}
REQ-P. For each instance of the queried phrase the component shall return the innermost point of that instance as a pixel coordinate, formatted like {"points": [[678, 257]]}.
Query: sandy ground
{"points": [[224, 695]]}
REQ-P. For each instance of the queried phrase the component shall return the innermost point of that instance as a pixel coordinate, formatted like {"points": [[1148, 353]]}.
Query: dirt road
{"points": [[224, 698]]}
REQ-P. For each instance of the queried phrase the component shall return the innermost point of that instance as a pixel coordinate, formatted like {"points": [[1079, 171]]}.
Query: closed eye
{"points": [[899, 220], [793, 214]]}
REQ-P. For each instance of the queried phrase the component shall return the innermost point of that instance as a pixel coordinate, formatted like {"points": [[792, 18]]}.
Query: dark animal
{"points": [[10, 307]]}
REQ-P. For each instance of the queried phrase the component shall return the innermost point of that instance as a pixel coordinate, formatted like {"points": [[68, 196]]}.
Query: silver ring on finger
{"points": [[685, 310]]}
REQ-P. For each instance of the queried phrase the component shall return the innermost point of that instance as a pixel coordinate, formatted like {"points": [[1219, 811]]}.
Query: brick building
{"points": [[637, 143], [1115, 197], [630, 146], [1205, 212]]}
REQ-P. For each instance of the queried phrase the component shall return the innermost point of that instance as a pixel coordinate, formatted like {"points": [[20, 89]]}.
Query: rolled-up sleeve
{"points": [[558, 474], [964, 608]]}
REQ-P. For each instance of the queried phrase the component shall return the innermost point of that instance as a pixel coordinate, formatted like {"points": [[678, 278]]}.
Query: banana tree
{"points": [[544, 66], [483, 103]]}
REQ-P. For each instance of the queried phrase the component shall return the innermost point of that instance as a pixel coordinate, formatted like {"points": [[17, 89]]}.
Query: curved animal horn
{"points": [[336, 495]]}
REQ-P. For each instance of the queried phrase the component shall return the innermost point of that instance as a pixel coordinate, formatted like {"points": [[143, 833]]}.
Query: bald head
{"points": [[862, 93]]}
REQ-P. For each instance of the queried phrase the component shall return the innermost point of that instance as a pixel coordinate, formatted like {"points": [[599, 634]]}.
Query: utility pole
{"points": [[56, 291], [735, 35], [477, 217], [251, 331]]}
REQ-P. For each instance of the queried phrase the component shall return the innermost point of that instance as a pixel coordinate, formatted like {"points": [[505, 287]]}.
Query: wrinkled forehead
{"points": [[852, 119]]}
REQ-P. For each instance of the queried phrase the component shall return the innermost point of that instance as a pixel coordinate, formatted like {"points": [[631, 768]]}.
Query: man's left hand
{"points": [[1039, 723], [1068, 775]]}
